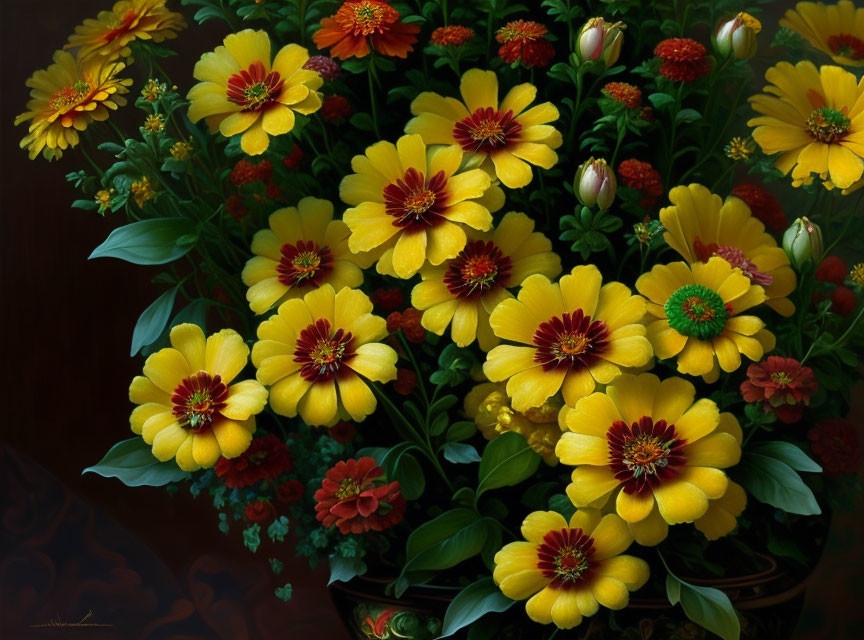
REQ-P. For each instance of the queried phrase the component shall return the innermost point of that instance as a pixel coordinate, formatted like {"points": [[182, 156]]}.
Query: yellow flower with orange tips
{"points": [[108, 34], [700, 225], [572, 334], [811, 118], [303, 248], [242, 92], [504, 138], [652, 448], [489, 406], [697, 310], [188, 407], [462, 292], [317, 353], [836, 30], [568, 570], [65, 98], [411, 204]]}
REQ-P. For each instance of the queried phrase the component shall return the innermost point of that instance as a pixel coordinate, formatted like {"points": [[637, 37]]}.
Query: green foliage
{"points": [[343, 569], [155, 241], [153, 320], [587, 232], [507, 460], [285, 592], [707, 607], [276, 565], [132, 463], [252, 537], [278, 529], [472, 603], [774, 482]]}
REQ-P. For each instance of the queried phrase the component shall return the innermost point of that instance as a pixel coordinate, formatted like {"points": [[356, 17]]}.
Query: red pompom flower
{"points": [[832, 269], [260, 511], [523, 41], [642, 177], [266, 458], [763, 205], [454, 35], [335, 108], [290, 492], [835, 443], [355, 497], [783, 386], [683, 59]]}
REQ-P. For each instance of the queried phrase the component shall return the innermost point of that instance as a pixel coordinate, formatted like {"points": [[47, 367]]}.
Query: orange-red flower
{"points": [[642, 177], [266, 458], [359, 24], [290, 492], [763, 205], [260, 510], [832, 269], [683, 59], [523, 41], [835, 443], [454, 35], [627, 94], [355, 497], [782, 385]]}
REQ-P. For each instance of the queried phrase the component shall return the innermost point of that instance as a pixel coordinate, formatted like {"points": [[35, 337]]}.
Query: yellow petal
{"points": [[445, 241], [634, 507], [565, 611], [189, 340], [245, 399], [205, 449], [633, 572], [278, 120], [318, 407], [593, 415], [652, 530], [226, 354], [610, 592], [698, 421], [611, 537], [575, 449], [255, 141], [167, 441], [510, 170], [375, 361], [409, 254], [589, 484], [531, 388], [539, 607], [479, 89], [680, 501], [522, 584], [232, 438], [356, 397], [166, 369], [286, 394]]}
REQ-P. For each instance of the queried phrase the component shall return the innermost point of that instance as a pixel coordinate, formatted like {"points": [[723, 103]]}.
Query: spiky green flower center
{"points": [[696, 311], [827, 125]]}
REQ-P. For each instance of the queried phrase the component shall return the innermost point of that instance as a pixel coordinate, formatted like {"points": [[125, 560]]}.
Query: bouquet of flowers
{"points": [[491, 300]]}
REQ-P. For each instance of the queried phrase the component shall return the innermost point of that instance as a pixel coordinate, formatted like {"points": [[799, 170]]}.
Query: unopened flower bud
{"points": [[600, 40], [802, 242], [736, 36], [595, 184]]}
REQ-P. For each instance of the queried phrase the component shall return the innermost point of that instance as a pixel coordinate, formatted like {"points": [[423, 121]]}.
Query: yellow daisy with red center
{"points": [[462, 292], [572, 334], [411, 204], [317, 353], [655, 450], [110, 33], [568, 570], [242, 92], [188, 408], [836, 30], [303, 249], [700, 225], [504, 138], [65, 98], [697, 310]]}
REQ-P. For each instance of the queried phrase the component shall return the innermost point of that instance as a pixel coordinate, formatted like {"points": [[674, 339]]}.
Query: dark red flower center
{"points": [[198, 400], [479, 268], [644, 454], [322, 352], [847, 45], [304, 264], [486, 130], [571, 341], [415, 202], [254, 88], [735, 257], [565, 557]]}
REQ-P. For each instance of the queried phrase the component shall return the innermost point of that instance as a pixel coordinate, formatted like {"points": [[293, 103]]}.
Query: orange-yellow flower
{"points": [[110, 33], [359, 24], [241, 92], [65, 98], [836, 30]]}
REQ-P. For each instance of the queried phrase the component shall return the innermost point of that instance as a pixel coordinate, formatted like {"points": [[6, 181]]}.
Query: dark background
{"points": [[85, 543]]}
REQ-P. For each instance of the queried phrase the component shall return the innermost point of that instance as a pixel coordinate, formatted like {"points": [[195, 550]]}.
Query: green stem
{"points": [[95, 166], [622, 131], [670, 150], [577, 107], [371, 73], [416, 367]]}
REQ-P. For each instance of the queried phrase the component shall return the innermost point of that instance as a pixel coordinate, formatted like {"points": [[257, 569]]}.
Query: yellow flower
{"points": [[570, 569], [182, 150], [836, 30], [318, 344], [303, 249], [856, 274], [811, 118], [188, 408], [700, 225], [576, 331], [153, 90], [109, 34], [697, 310], [652, 448], [411, 203], [65, 98], [467, 288], [504, 139], [241, 92], [740, 148], [103, 199], [142, 191], [488, 405], [154, 123]]}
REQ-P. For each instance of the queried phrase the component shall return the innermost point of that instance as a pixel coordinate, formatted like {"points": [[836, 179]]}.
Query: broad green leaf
{"points": [[408, 472], [707, 607], [460, 453], [153, 320], [507, 460], [472, 603], [440, 528], [132, 463], [461, 431], [343, 569], [776, 483], [147, 241], [788, 453]]}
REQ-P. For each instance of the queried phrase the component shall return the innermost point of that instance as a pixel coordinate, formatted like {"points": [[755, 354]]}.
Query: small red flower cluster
{"points": [[455, 35], [835, 444], [355, 497], [643, 177], [290, 492], [409, 322], [782, 385], [342, 432], [335, 108], [293, 159], [833, 270], [523, 41], [266, 458], [627, 94], [260, 510], [683, 59], [236, 208], [406, 382], [245, 172], [763, 205], [325, 66], [388, 299]]}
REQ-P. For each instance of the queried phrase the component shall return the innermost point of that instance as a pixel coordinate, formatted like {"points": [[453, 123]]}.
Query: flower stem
{"points": [[371, 73]]}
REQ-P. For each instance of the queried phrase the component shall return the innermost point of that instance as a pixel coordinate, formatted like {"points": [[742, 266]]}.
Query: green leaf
{"points": [[460, 453], [407, 471], [687, 115], [87, 205], [472, 603], [362, 121], [776, 483], [343, 569], [147, 241], [461, 431], [788, 453], [707, 607], [132, 462], [284, 593], [660, 99], [507, 460], [252, 537], [278, 529], [153, 320]]}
